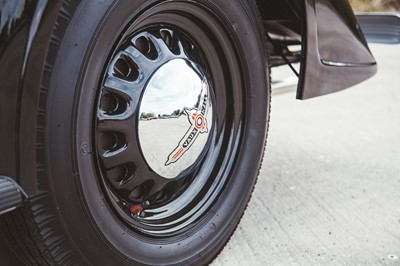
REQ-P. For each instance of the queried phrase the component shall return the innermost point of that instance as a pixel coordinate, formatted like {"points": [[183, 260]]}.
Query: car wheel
{"points": [[156, 120]]}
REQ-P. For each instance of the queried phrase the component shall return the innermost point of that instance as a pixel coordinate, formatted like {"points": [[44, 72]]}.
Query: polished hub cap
{"points": [[175, 118]]}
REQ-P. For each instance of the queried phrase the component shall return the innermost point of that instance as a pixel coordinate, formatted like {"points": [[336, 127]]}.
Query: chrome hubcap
{"points": [[175, 118]]}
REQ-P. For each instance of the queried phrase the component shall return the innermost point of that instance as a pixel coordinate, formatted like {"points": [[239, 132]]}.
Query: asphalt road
{"points": [[328, 191]]}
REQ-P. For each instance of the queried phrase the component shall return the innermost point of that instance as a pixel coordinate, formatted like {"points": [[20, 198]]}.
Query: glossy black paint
{"points": [[25, 38], [14, 28], [169, 206], [335, 53], [335, 56], [153, 194]]}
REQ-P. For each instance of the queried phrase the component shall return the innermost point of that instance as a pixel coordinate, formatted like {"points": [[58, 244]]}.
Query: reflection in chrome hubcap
{"points": [[175, 118]]}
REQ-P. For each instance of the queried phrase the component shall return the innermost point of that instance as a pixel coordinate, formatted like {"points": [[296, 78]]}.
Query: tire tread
{"points": [[257, 15]]}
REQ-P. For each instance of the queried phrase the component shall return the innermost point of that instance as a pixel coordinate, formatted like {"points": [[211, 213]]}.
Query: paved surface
{"points": [[329, 189]]}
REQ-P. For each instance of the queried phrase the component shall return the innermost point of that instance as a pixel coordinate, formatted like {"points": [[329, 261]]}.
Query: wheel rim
{"points": [[158, 194]]}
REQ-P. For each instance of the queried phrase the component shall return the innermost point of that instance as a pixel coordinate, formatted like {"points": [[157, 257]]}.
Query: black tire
{"points": [[73, 218]]}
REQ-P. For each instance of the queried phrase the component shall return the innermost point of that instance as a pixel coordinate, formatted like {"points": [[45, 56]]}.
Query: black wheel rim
{"points": [[147, 202]]}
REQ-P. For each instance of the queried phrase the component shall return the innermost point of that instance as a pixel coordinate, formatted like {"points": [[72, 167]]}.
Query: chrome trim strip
{"points": [[342, 64]]}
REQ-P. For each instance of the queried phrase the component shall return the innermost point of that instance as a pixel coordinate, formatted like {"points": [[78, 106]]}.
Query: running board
{"points": [[11, 194], [380, 27]]}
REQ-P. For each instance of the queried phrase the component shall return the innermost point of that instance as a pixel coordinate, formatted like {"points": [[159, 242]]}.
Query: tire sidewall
{"points": [[88, 220]]}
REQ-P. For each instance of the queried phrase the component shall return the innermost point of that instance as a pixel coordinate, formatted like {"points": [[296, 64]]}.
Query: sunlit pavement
{"points": [[329, 188]]}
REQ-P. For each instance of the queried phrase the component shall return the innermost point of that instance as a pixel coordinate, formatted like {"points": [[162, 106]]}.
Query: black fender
{"points": [[334, 52], [25, 35]]}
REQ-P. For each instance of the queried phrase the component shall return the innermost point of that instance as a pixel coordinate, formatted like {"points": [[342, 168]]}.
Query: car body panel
{"points": [[328, 29], [25, 35], [335, 53], [14, 29]]}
